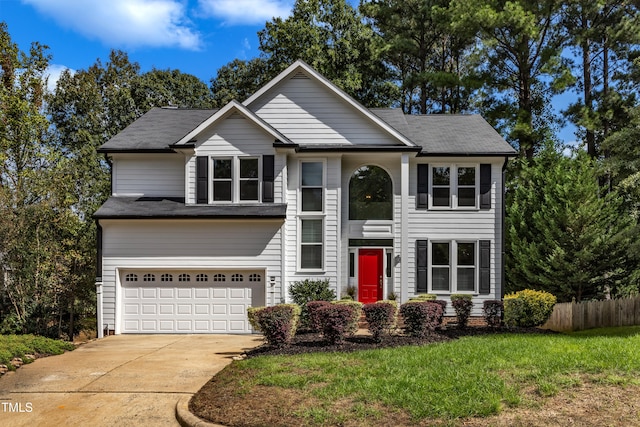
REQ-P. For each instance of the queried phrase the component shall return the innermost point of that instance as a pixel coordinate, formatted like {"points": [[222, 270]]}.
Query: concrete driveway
{"points": [[124, 380]]}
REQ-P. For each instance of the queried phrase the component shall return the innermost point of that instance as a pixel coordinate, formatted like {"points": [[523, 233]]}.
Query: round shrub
{"points": [[381, 317], [251, 315], [336, 321], [462, 304], [420, 317], [355, 317], [278, 323], [303, 291], [528, 308], [492, 311], [315, 320]]}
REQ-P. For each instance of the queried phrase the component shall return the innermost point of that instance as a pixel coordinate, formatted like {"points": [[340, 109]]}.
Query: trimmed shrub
{"points": [[357, 312], [336, 321], [442, 304], [462, 304], [303, 291], [528, 308], [423, 297], [492, 311], [278, 323], [251, 315], [420, 317], [315, 323], [381, 317]]}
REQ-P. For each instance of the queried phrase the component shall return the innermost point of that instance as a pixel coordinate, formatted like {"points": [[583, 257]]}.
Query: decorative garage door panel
{"points": [[191, 302]]}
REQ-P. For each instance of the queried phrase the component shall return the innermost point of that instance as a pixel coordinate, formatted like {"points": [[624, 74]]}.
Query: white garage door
{"points": [[189, 302]]}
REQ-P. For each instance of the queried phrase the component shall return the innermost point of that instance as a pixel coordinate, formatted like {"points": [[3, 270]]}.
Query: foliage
{"points": [[492, 311], [442, 304], [423, 297], [528, 308], [19, 345], [336, 321], [278, 323], [381, 317], [564, 233], [251, 316], [351, 291], [357, 312], [420, 317], [462, 304], [315, 319], [306, 290]]}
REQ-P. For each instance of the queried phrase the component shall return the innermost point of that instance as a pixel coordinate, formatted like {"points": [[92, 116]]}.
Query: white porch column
{"points": [[404, 230]]}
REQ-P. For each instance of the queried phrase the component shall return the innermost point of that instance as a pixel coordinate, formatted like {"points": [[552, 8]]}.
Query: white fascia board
{"points": [[303, 66]]}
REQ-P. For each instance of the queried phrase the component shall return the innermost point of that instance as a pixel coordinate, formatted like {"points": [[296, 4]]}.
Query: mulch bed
{"points": [[307, 342]]}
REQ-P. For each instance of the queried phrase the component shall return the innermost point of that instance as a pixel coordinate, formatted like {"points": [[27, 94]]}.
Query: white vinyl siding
{"points": [[189, 245], [148, 175], [307, 113], [464, 225], [235, 137]]}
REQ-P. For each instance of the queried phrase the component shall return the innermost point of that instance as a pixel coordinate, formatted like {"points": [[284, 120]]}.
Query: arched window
{"points": [[370, 194]]}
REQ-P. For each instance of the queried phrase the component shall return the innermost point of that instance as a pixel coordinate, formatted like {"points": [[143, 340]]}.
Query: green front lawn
{"points": [[18, 345], [472, 376]]}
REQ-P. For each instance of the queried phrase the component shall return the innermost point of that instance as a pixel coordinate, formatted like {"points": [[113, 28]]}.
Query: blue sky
{"points": [[194, 36]]}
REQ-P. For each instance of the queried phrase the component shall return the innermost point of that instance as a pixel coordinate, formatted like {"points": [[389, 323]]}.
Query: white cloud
{"points": [[53, 73], [240, 12], [155, 23]]}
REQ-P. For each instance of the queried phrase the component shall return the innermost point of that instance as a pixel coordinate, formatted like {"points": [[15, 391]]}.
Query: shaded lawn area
{"points": [[441, 383]]}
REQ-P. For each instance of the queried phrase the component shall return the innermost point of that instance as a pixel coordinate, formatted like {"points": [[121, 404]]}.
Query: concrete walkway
{"points": [[125, 380]]}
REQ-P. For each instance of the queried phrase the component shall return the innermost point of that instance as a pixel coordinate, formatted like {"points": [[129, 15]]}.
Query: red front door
{"points": [[369, 275]]}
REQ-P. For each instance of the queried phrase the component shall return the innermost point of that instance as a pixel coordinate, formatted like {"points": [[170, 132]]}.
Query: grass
{"points": [[18, 345], [472, 376]]}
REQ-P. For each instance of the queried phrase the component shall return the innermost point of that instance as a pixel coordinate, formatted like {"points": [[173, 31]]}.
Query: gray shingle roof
{"points": [[121, 207], [443, 134], [157, 130]]}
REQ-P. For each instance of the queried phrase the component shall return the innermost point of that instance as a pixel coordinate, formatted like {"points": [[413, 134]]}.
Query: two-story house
{"points": [[213, 211]]}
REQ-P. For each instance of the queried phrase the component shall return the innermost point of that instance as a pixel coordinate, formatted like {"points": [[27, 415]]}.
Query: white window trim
{"points": [[453, 186], [299, 245], [235, 179], [324, 186], [453, 267]]}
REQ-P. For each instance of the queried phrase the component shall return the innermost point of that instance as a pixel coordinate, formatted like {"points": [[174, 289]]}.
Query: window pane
{"points": [[466, 254], [441, 176], [466, 196], [312, 174], [222, 190], [466, 176], [311, 256], [440, 278], [222, 168], [466, 279], [248, 168], [249, 190], [312, 231], [440, 254], [440, 197], [312, 199]]}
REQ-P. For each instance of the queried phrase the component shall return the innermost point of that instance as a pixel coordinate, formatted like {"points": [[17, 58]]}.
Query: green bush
{"points": [[303, 291], [251, 315], [357, 312], [278, 323], [462, 304], [528, 308], [423, 297]]}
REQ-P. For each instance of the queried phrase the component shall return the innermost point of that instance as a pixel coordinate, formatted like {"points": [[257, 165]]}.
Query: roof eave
{"points": [[134, 150], [468, 154]]}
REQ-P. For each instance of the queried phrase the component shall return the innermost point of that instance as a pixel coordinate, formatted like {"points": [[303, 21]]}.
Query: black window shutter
{"points": [[268, 176], [421, 263], [485, 267], [485, 186], [202, 179], [423, 186]]}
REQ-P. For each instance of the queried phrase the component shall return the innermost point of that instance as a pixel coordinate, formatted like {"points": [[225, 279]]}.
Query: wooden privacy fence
{"points": [[594, 314]]}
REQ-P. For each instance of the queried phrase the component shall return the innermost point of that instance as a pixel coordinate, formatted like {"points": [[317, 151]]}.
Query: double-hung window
{"points": [[466, 186], [222, 180], [311, 219], [236, 179], [441, 186], [249, 179], [453, 266], [454, 186]]}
